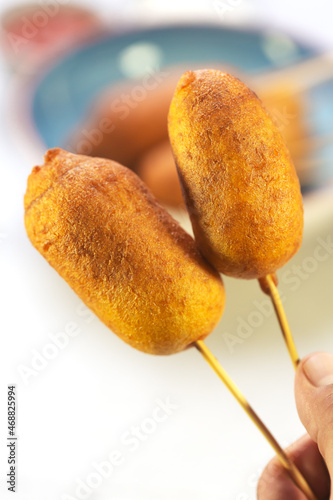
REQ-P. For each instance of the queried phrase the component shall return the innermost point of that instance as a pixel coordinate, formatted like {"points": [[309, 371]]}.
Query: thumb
{"points": [[314, 401]]}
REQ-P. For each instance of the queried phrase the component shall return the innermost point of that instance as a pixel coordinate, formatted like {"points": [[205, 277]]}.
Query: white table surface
{"points": [[81, 406]]}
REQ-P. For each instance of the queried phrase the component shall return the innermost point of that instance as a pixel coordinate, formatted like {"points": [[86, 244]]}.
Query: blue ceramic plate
{"points": [[65, 91]]}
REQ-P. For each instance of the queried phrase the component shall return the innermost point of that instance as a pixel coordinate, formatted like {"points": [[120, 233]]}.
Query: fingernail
{"points": [[319, 369]]}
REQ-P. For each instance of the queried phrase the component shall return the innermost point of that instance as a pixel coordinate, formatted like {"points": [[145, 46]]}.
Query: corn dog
{"points": [[239, 182], [97, 224]]}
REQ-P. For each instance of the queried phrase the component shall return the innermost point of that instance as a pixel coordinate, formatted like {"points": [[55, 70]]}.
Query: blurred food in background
{"points": [[141, 141], [288, 110], [158, 170], [109, 96], [127, 120]]}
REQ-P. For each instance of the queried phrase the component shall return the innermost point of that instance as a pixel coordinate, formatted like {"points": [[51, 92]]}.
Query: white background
{"points": [[75, 410]]}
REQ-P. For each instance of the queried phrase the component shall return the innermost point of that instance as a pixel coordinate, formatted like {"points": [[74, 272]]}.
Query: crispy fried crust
{"points": [[96, 223], [238, 180]]}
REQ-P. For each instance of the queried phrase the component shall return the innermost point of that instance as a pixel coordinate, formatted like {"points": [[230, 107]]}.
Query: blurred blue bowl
{"points": [[66, 89]]}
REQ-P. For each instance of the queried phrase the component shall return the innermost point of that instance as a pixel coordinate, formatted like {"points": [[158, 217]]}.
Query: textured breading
{"points": [[238, 180], [96, 223]]}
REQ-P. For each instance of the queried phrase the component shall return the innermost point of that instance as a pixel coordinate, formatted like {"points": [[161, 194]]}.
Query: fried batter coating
{"points": [[238, 180], [97, 224]]}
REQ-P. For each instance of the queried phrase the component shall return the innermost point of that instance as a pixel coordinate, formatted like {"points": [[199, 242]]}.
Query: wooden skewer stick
{"points": [[294, 473], [268, 286]]}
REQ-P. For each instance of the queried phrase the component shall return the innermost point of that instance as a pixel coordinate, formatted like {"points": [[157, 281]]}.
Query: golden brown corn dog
{"points": [[97, 224], [240, 185]]}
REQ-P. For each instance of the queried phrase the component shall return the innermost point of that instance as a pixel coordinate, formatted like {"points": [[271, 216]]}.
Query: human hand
{"points": [[312, 454]]}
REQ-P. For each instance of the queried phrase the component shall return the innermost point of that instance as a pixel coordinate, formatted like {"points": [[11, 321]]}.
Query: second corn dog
{"points": [[240, 185]]}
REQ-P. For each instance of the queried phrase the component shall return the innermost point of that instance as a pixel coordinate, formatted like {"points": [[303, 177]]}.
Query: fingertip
{"points": [[306, 358], [275, 484], [318, 368], [303, 386]]}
